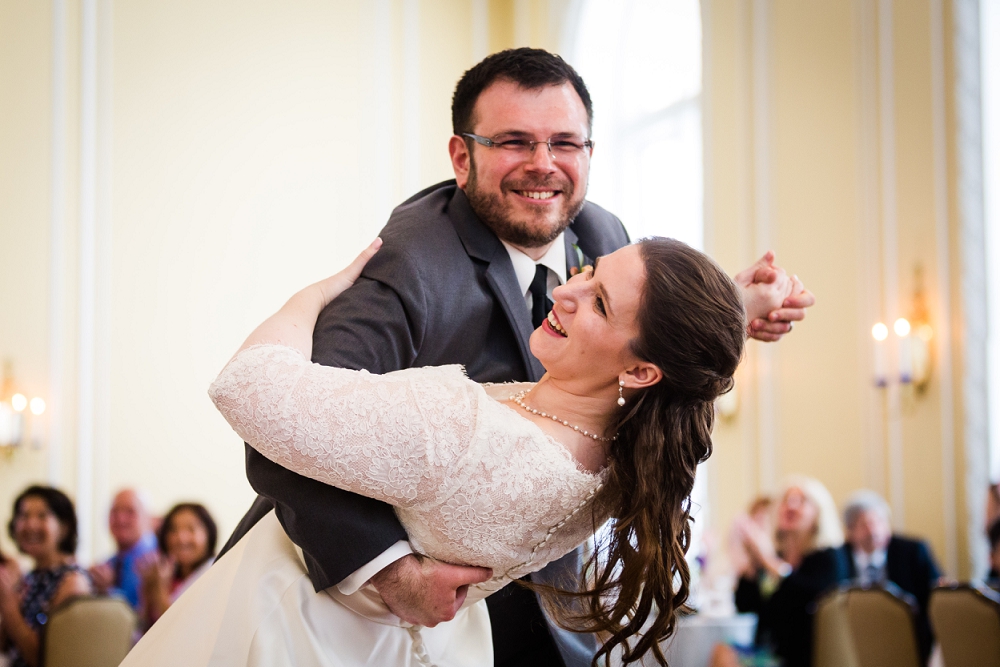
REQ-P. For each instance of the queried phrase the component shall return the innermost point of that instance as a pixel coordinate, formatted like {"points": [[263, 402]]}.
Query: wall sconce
{"points": [[14, 426], [912, 345]]}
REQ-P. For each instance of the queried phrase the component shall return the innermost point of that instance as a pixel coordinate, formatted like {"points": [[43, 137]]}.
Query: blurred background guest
{"points": [[130, 525], [187, 540], [787, 575], [757, 525], [43, 526], [993, 576], [873, 555], [992, 504]]}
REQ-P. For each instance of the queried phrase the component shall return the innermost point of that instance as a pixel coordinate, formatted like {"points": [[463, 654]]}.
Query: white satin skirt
{"points": [[256, 607]]}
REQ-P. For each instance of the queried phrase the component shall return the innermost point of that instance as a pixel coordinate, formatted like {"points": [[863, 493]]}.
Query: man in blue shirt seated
{"points": [[873, 555], [131, 527]]}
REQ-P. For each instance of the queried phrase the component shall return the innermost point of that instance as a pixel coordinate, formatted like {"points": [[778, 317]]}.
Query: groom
{"points": [[464, 276]]}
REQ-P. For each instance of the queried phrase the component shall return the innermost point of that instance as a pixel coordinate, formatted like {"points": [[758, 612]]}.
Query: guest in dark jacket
{"points": [[993, 576], [874, 555], [784, 579]]}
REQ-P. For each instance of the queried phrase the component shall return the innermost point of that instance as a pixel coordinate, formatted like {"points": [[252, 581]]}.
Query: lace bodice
{"points": [[472, 481]]}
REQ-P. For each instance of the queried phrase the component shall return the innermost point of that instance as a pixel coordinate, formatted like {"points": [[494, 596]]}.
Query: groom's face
{"points": [[527, 199]]}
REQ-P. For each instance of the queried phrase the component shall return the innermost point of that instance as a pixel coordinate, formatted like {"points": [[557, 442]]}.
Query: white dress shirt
{"points": [[864, 564], [524, 268]]}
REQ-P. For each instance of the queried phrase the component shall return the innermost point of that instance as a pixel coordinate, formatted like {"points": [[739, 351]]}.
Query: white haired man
{"points": [[874, 556], [130, 524]]}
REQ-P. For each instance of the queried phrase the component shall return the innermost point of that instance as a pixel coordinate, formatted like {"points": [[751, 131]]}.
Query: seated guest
{"points": [[755, 525], [44, 528], [992, 504], [186, 540], [875, 556], [993, 576], [130, 525], [783, 583]]}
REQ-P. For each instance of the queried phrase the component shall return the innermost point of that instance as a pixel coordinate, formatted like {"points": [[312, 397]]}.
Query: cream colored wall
{"points": [[24, 217], [251, 150], [806, 126]]}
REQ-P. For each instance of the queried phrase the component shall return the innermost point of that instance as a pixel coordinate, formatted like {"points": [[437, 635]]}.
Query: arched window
{"points": [[641, 60]]}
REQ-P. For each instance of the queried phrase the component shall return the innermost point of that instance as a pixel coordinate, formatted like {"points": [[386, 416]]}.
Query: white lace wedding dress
{"points": [[472, 481]]}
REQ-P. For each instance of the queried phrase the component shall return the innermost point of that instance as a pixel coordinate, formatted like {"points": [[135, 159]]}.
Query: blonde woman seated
{"points": [[780, 583], [506, 477]]}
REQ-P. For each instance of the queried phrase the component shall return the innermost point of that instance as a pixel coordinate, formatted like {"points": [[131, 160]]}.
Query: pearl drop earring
{"points": [[621, 399]]}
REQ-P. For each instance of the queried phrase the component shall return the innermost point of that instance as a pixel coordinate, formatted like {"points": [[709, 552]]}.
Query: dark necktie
{"points": [[540, 304], [873, 574]]}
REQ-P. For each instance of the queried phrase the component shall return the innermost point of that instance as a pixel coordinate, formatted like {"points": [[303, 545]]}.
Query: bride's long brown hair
{"points": [[691, 324]]}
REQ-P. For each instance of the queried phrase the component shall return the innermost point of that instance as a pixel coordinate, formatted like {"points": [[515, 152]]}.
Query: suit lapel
{"points": [[575, 257], [852, 572], [482, 244]]}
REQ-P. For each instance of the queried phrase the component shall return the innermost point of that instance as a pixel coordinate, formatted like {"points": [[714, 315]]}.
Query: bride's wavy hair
{"points": [[692, 325]]}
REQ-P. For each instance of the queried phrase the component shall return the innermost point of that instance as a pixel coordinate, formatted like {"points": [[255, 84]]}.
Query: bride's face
{"points": [[594, 317]]}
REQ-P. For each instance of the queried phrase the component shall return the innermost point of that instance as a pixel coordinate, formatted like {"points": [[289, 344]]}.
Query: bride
{"points": [[508, 477]]}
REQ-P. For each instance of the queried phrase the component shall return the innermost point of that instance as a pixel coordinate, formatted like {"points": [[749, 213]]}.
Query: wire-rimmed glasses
{"points": [[564, 147]]}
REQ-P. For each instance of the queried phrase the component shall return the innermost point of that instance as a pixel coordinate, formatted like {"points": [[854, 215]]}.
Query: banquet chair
{"points": [[882, 627], [833, 645], [88, 631], [966, 621]]}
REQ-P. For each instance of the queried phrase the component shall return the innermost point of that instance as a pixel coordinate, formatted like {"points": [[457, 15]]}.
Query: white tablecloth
{"points": [[697, 635]]}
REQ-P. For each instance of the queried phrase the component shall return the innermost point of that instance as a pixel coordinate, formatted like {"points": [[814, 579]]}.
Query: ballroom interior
{"points": [[171, 171]]}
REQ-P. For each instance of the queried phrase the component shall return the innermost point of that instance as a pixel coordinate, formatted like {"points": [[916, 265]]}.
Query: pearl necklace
{"points": [[519, 399]]}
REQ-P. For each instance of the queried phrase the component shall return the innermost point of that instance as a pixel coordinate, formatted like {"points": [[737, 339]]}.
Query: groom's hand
{"points": [[424, 591], [775, 324]]}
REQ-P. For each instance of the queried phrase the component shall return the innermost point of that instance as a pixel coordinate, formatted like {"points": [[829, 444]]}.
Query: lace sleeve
{"points": [[391, 437]]}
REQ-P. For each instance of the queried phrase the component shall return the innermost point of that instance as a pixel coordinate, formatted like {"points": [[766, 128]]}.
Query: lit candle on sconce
{"points": [[39, 429], [880, 332], [902, 329]]}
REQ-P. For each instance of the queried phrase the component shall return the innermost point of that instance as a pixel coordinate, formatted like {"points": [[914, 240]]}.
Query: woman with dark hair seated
{"points": [[44, 528], [187, 539]]}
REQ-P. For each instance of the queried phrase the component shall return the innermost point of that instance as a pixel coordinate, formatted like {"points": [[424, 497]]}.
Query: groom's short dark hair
{"points": [[528, 68]]}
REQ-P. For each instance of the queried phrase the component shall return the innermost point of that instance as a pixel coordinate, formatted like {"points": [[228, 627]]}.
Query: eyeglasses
{"points": [[565, 148]]}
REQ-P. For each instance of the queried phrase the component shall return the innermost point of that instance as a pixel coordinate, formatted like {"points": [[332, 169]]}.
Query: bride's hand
{"points": [[336, 284]]}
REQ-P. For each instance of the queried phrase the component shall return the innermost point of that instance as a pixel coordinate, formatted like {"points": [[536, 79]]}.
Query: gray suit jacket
{"points": [[442, 290]]}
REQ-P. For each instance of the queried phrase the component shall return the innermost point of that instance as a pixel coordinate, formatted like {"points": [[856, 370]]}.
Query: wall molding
{"points": [[870, 303], [411, 144], [890, 251], [382, 116], [768, 435], [480, 29], [968, 101], [943, 275], [87, 278], [94, 279], [57, 247]]}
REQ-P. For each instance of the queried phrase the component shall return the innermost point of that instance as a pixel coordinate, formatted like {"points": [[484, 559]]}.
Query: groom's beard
{"points": [[537, 231]]}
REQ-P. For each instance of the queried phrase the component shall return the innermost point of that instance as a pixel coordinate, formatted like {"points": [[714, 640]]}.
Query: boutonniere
{"points": [[580, 266]]}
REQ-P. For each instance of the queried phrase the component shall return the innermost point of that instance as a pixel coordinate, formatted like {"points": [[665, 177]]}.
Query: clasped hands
{"points": [[773, 299]]}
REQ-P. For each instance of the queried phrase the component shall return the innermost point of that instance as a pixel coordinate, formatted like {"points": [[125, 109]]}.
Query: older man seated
{"points": [[874, 555], [130, 524]]}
